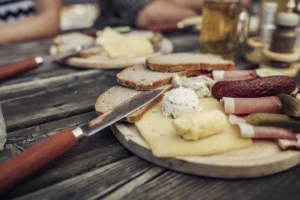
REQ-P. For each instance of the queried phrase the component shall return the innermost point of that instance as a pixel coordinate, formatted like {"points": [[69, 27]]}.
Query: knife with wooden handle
{"points": [[185, 24], [20, 167], [10, 70]]}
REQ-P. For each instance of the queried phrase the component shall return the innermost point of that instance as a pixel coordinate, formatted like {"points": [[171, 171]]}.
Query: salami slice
{"points": [[289, 144]]}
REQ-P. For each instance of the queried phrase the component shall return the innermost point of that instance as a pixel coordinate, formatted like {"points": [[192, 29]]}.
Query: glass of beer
{"points": [[224, 27]]}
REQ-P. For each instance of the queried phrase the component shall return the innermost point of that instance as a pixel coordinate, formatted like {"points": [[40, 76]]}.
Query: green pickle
{"points": [[275, 120], [290, 105], [263, 72], [123, 29], [157, 38]]}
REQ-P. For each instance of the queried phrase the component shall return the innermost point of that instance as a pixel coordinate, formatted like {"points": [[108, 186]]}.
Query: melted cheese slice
{"points": [[117, 45], [159, 133]]}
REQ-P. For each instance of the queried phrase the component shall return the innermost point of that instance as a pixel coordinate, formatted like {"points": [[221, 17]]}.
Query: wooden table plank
{"points": [[17, 90], [127, 188], [97, 183], [173, 185], [65, 101]]}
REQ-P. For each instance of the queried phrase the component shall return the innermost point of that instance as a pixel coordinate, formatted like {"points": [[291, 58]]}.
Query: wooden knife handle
{"points": [[20, 167], [91, 32], [163, 27], [25, 65]]}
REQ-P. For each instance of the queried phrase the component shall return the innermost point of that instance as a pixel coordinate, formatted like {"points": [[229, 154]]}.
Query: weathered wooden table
{"points": [[37, 104]]}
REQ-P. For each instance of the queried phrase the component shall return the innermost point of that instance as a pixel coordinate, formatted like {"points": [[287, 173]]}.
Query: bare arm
{"points": [[44, 24], [167, 11], [163, 11]]}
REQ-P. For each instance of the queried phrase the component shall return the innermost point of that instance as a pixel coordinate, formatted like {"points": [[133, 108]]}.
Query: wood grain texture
{"points": [[65, 101], [19, 90], [176, 186]]}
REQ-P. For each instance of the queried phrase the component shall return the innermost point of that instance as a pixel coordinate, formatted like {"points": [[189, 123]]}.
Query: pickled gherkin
{"points": [[274, 120], [290, 105]]}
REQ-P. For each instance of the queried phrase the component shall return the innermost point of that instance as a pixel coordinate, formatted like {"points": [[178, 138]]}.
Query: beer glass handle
{"points": [[243, 27]]}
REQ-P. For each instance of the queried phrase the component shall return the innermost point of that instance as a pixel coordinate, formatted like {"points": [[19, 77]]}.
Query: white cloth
{"points": [[13, 10]]}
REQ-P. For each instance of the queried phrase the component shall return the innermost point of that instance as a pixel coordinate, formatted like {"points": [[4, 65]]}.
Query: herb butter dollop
{"points": [[180, 101], [199, 84]]}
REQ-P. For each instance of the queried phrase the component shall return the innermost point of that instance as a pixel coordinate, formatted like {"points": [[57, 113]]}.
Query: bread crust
{"points": [[137, 115], [188, 66], [153, 85]]}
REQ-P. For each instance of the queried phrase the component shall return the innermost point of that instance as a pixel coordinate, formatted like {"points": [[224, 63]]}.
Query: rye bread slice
{"points": [[177, 62], [119, 94], [141, 78], [69, 41]]}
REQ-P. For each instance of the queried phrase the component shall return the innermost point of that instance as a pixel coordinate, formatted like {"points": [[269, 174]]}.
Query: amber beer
{"points": [[220, 27]]}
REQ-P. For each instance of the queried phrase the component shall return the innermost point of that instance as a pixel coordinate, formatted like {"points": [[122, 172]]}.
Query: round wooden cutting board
{"points": [[261, 159]]}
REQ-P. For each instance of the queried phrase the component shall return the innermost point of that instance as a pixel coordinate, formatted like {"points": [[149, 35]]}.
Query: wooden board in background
{"points": [[96, 58]]}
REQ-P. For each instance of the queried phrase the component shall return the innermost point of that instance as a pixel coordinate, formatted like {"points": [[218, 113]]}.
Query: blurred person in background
{"points": [[23, 20], [143, 13]]}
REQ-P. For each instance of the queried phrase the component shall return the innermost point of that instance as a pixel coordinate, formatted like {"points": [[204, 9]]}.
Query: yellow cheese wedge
{"points": [[117, 45], [198, 125], [159, 133]]}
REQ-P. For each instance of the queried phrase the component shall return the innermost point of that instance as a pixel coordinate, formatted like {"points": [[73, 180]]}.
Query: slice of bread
{"points": [[119, 94], [188, 61], [141, 78], [69, 41]]}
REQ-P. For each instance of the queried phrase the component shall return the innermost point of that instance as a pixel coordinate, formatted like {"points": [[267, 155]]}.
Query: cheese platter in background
{"points": [[115, 48], [212, 120]]}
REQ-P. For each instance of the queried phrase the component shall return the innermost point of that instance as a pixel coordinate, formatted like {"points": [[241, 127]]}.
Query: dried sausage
{"points": [[259, 87]]}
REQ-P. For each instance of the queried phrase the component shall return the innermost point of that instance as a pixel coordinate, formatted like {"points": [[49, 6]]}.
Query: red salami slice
{"points": [[242, 106], [220, 75]]}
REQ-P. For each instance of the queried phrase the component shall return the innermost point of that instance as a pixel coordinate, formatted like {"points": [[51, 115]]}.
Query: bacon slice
{"points": [[219, 75], [242, 106], [266, 132], [289, 144]]}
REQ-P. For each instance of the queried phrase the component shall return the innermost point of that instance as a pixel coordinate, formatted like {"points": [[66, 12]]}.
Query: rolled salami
{"points": [[266, 132], [242, 106], [220, 75], [289, 144]]}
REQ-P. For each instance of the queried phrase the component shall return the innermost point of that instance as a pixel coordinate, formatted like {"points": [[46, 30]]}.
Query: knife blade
{"points": [[20, 167], [72, 52], [27, 64]]}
